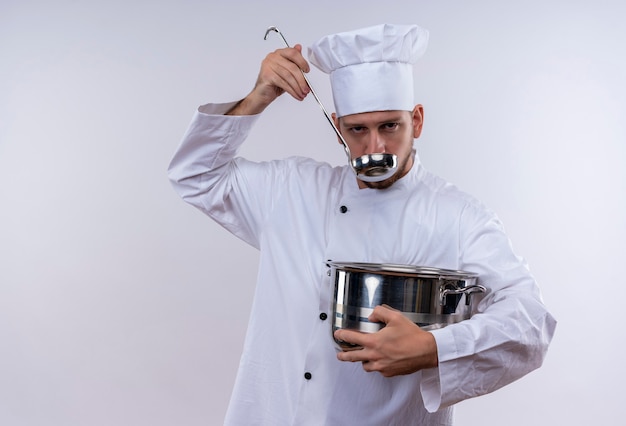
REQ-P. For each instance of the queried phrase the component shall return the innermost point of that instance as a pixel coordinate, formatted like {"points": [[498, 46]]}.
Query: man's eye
{"points": [[357, 129], [390, 126]]}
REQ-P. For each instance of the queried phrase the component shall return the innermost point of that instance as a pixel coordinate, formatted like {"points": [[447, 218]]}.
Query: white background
{"points": [[120, 305]]}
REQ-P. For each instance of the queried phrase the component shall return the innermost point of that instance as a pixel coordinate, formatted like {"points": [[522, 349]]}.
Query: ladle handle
{"points": [[330, 120]]}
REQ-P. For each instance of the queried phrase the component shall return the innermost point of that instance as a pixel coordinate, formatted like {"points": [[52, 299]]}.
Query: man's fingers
{"points": [[289, 78], [383, 313], [284, 69], [356, 338], [359, 355], [298, 59]]}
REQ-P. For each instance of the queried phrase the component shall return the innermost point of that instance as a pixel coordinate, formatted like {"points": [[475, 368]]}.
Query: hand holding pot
{"points": [[401, 347]]}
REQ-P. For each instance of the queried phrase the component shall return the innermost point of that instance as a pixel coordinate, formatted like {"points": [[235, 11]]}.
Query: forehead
{"points": [[373, 118]]}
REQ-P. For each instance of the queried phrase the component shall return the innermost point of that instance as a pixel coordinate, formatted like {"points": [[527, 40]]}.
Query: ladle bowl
{"points": [[375, 167], [368, 168]]}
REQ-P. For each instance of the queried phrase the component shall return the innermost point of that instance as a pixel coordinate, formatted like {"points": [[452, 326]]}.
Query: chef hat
{"points": [[371, 69]]}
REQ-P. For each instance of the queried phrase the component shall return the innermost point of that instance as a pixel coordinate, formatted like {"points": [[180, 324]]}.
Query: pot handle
{"points": [[475, 288]]}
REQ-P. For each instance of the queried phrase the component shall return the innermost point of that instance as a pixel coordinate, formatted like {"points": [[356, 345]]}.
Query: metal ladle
{"points": [[368, 168]]}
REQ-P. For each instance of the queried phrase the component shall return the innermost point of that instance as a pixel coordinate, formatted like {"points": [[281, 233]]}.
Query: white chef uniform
{"points": [[301, 213]]}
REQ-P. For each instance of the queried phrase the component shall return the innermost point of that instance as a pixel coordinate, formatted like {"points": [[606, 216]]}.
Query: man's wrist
{"points": [[247, 106]]}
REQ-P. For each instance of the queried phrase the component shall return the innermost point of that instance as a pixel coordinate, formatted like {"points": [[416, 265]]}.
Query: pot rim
{"points": [[396, 268]]}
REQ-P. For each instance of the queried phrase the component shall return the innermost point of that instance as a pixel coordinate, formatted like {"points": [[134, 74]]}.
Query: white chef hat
{"points": [[371, 69]]}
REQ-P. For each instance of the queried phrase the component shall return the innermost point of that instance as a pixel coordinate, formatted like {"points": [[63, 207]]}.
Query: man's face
{"points": [[384, 132]]}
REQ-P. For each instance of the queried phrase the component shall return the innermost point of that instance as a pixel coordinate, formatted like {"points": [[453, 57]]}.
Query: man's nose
{"points": [[375, 143]]}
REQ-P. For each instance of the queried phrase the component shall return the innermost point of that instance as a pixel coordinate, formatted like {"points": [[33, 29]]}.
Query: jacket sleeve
{"points": [[509, 334], [205, 172]]}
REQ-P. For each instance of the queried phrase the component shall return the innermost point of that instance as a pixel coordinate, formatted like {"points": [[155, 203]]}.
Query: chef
{"points": [[299, 213]]}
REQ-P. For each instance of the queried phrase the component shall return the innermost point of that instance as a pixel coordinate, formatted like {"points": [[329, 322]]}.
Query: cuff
{"points": [[430, 385]]}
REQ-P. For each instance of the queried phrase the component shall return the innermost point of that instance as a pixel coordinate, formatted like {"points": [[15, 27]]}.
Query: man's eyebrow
{"points": [[353, 124]]}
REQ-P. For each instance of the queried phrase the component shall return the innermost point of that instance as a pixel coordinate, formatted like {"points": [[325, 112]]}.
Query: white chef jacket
{"points": [[300, 213]]}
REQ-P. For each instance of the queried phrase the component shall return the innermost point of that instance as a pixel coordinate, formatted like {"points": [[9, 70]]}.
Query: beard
{"points": [[403, 169]]}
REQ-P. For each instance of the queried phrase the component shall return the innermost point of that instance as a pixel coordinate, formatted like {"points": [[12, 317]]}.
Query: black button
{"points": [[343, 209], [323, 316], [307, 375]]}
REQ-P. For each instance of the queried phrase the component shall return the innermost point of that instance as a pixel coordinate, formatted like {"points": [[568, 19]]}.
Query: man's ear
{"points": [[418, 120]]}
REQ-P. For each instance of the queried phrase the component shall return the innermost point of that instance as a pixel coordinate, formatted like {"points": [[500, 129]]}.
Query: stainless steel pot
{"points": [[430, 297]]}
